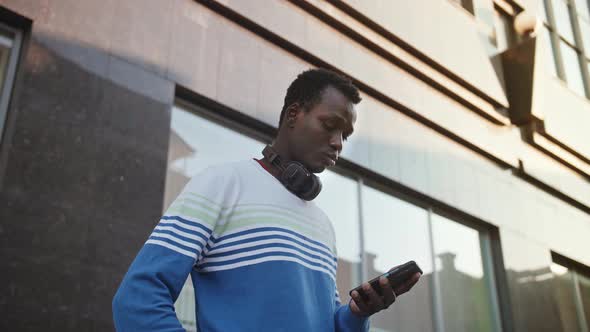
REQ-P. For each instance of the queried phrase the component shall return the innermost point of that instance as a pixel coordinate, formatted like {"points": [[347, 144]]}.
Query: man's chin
{"points": [[317, 169]]}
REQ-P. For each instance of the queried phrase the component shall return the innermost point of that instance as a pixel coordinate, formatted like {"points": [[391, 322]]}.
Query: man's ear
{"points": [[292, 113]]}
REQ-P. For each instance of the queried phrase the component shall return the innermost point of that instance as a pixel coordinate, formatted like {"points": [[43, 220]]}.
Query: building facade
{"points": [[470, 156]]}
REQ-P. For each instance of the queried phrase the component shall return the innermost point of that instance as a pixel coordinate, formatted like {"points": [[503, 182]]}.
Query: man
{"points": [[260, 253]]}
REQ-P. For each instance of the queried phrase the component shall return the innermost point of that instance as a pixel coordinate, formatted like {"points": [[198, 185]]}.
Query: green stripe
{"points": [[218, 206], [193, 213], [207, 207]]}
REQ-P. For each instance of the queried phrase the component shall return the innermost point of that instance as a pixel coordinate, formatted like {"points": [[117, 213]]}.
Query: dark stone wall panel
{"points": [[82, 187]]}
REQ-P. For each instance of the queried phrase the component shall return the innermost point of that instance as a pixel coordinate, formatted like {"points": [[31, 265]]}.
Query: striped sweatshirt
{"points": [[260, 258]]}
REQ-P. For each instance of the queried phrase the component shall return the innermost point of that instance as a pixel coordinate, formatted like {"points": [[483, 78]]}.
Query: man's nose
{"points": [[336, 142]]}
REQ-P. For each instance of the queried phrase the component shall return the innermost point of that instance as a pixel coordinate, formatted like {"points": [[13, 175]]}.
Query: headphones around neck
{"points": [[294, 176]]}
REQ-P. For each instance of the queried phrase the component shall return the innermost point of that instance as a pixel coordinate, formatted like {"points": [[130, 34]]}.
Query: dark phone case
{"points": [[395, 276]]}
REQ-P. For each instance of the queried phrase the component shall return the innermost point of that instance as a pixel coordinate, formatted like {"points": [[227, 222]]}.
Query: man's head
{"points": [[317, 117]]}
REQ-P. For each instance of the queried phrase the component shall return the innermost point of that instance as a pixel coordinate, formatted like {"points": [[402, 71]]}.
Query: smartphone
{"points": [[396, 277]]}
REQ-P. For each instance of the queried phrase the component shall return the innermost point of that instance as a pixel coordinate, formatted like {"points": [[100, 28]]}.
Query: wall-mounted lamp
{"points": [[525, 24]]}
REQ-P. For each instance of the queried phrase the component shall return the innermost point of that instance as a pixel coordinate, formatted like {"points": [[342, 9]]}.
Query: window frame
{"points": [[11, 69], [576, 269], [556, 39]]}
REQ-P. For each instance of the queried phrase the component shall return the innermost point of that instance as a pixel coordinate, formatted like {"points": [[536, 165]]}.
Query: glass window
{"points": [[191, 150], [9, 47], [585, 30], [394, 233], [571, 66], [339, 200], [582, 8], [584, 284], [465, 290], [563, 20], [503, 25], [547, 49], [563, 286]]}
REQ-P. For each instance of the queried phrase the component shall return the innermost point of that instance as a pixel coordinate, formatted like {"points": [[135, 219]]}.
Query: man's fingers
{"points": [[387, 291], [375, 301], [360, 303], [355, 308], [405, 287]]}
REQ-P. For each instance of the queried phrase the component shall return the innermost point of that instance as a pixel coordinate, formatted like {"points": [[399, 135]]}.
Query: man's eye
{"points": [[328, 125]]}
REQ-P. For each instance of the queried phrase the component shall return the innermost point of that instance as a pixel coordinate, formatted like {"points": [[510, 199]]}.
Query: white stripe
{"points": [[265, 233], [265, 250], [185, 225], [171, 247], [266, 259], [177, 240], [272, 241], [185, 234]]}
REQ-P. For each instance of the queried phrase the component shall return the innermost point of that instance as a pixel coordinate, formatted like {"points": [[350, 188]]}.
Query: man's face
{"points": [[318, 135]]}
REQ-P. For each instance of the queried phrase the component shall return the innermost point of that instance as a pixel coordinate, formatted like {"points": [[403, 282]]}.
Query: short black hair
{"points": [[307, 89]]}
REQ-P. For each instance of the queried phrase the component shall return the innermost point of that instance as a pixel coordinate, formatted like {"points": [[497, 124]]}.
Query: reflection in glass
{"points": [[582, 8], [527, 267], [9, 47], [504, 27], [585, 30], [394, 233], [191, 150], [197, 143], [339, 200], [572, 68], [464, 291], [563, 285], [6, 43], [547, 49], [543, 11], [562, 20], [584, 284]]}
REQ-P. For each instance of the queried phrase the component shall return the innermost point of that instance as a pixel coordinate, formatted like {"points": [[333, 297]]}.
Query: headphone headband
{"points": [[273, 157]]}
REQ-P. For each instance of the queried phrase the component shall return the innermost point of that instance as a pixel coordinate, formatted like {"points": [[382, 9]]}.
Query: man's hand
{"points": [[375, 302]]}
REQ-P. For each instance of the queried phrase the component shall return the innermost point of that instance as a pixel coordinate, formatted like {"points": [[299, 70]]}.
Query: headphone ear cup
{"points": [[315, 187], [297, 179]]}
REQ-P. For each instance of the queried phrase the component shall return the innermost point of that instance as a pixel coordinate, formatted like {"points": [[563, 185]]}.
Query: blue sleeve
{"points": [[145, 299], [346, 321]]}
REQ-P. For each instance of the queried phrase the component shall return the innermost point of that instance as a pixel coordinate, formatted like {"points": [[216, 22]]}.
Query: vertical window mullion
{"points": [[438, 319], [579, 303], [554, 40], [488, 266], [363, 266], [580, 47]]}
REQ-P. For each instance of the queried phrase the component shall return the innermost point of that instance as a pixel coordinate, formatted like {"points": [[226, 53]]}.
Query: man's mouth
{"points": [[330, 159]]}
